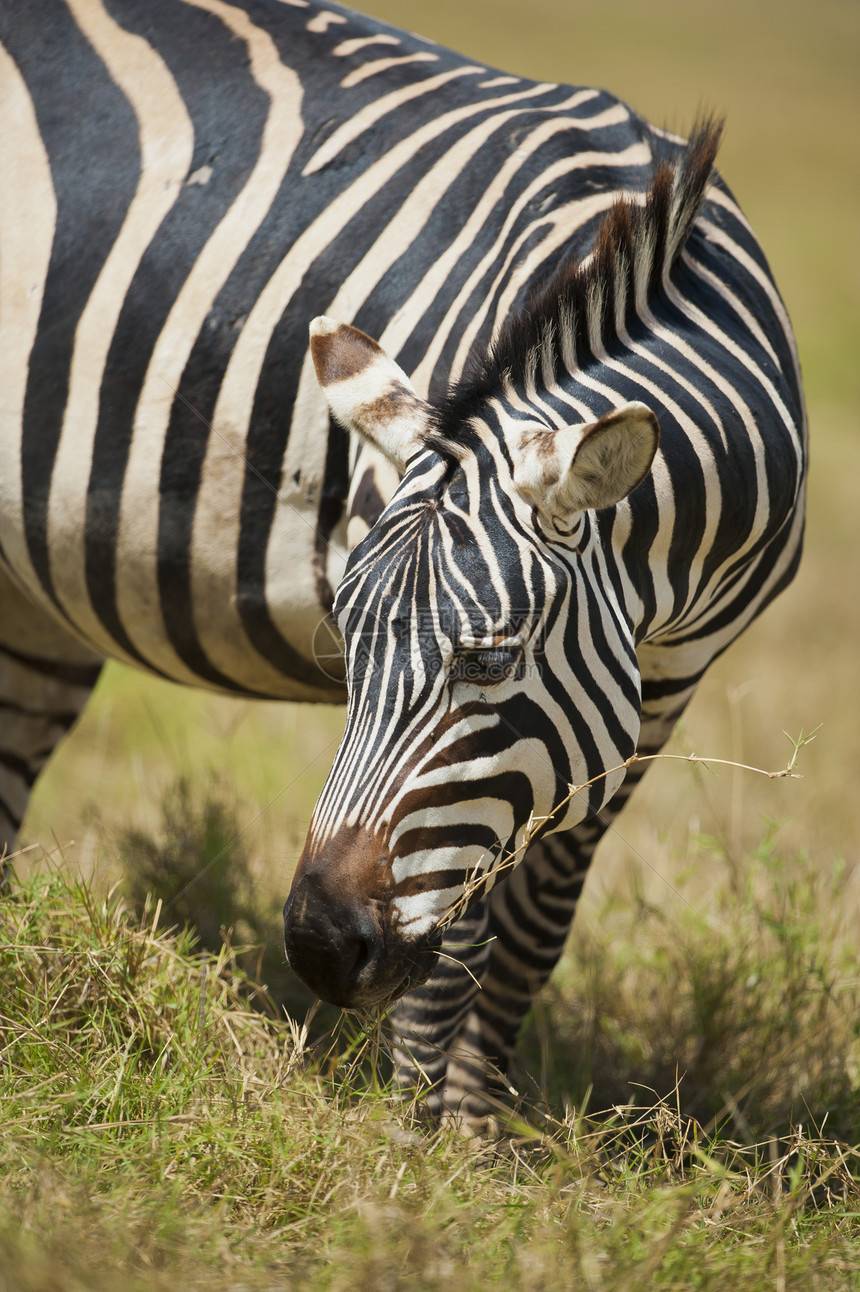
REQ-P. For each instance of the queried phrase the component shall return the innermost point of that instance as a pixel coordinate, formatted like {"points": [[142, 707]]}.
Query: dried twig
{"points": [[480, 880]]}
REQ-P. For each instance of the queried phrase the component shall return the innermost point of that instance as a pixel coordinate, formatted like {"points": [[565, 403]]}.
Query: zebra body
{"points": [[184, 185], [175, 234]]}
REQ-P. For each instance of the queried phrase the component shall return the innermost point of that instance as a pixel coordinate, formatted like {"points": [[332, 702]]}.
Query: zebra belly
{"points": [[183, 611]]}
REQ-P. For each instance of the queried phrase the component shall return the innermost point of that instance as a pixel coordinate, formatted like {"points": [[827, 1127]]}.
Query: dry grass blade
{"points": [[481, 880]]}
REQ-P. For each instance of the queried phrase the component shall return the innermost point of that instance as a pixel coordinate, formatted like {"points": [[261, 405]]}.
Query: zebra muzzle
{"points": [[342, 940]]}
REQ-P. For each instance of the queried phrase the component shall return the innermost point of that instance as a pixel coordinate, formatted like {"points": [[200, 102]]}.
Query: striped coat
{"points": [[184, 185]]}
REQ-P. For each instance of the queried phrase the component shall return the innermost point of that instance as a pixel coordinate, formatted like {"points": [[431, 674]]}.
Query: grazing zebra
{"points": [[589, 482]]}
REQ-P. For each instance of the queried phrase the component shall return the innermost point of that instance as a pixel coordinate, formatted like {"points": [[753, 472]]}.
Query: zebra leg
{"points": [[455, 1035], [530, 914], [529, 917], [46, 676], [425, 1022]]}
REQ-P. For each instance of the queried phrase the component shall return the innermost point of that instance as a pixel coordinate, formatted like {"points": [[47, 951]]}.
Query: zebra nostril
{"points": [[366, 950]]}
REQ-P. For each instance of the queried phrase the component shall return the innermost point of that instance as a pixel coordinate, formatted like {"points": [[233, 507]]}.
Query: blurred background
{"points": [[147, 755]]}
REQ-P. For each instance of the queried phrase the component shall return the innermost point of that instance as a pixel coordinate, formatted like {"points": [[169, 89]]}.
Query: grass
{"points": [[159, 1131], [194, 871], [761, 1023]]}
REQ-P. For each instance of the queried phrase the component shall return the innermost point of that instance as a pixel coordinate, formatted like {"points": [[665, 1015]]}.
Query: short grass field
{"points": [[686, 1102]]}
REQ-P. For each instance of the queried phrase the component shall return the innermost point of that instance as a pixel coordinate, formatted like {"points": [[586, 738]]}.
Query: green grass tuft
{"points": [[156, 1130], [743, 1007], [192, 871]]}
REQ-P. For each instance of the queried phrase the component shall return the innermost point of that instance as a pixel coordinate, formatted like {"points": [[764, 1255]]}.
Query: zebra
{"points": [[541, 462]]}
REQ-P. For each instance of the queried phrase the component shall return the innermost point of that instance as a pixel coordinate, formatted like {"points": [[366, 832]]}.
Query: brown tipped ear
{"points": [[580, 468], [367, 391]]}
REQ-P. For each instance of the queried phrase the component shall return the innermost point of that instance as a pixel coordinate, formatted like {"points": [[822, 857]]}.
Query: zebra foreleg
{"points": [[46, 676], [425, 1022], [529, 917]]}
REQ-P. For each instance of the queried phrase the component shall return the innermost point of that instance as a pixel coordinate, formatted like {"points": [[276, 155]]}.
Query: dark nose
{"points": [[332, 943]]}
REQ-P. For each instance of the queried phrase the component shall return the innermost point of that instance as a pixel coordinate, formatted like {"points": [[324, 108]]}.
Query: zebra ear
{"points": [[579, 468], [367, 391]]}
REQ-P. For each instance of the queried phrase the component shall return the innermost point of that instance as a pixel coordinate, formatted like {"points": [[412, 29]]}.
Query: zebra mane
{"points": [[585, 303]]}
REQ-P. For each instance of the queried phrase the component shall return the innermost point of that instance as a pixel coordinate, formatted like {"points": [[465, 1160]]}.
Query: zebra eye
{"points": [[488, 665]]}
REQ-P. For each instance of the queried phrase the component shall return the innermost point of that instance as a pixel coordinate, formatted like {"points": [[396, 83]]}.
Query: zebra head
{"points": [[490, 665]]}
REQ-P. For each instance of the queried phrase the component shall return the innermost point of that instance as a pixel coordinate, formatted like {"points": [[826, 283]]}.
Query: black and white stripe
{"points": [[184, 184]]}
